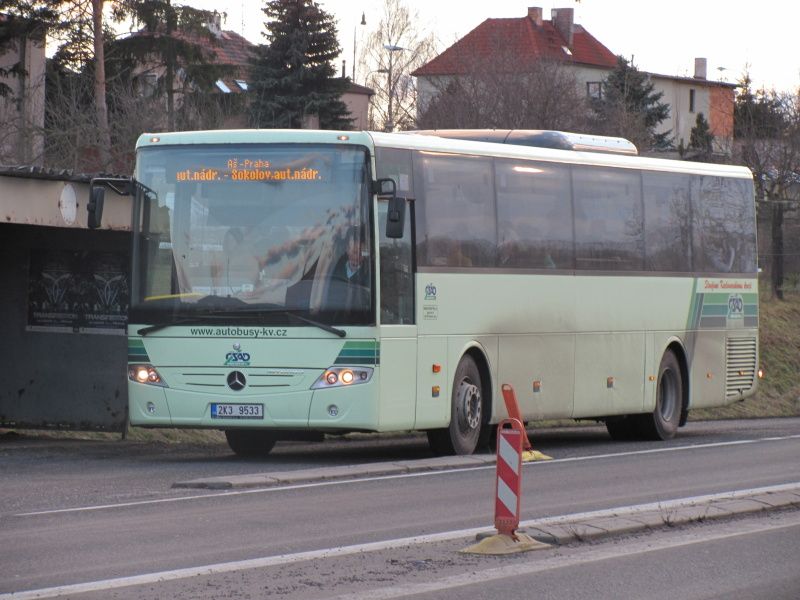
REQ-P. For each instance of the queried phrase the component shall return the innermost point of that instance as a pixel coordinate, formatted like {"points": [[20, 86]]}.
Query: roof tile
{"points": [[523, 41]]}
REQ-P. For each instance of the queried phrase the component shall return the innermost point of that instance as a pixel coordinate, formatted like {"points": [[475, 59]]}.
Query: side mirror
{"points": [[97, 194], [396, 213], [395, 217], [97, 197]]}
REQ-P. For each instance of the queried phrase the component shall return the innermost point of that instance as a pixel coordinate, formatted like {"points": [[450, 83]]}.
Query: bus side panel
{"points": [[609, 369], [398, 377], [433, 389], [540, 367], [707, 377]]}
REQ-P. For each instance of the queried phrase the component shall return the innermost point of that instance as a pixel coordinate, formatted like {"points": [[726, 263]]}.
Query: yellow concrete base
{"points": [[532, 455], [505, 544]]}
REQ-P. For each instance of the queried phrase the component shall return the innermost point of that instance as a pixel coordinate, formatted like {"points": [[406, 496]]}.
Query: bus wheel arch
{"points": [[486, 437], [470, 408], [663, 422], [680, 353]]}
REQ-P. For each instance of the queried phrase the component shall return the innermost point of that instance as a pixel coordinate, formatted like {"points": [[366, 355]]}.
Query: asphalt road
{"points": [[74, 512]]}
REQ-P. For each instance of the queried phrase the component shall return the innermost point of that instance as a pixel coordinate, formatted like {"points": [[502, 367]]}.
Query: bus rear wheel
{"points": [[662, 423], [466, 413], [250, 442]]}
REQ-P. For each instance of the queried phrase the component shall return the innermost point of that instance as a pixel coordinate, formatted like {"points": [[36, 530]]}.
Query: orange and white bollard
{"points": [[510, 436], [508, 495]]}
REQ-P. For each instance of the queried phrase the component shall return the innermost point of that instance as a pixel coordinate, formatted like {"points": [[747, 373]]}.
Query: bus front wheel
{"points": [[466, 413], [250, 442], [662, 423]]}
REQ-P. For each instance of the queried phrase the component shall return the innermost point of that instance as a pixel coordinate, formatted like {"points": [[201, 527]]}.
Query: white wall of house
{"points": [[686, 100], [358, 107]]}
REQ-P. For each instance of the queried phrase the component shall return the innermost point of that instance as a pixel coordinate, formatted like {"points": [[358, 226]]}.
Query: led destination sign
{"points": [[237, 169]]}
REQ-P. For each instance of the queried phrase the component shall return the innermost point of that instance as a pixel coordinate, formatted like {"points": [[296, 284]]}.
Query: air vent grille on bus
{"points": [[740, 365]]}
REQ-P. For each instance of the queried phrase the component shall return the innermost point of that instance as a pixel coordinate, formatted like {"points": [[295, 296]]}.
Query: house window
{"points": [[594, 89], [691, 101], [223, 87], [148, 83], [242, 84]]}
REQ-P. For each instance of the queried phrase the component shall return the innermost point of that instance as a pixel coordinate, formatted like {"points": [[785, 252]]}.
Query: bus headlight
{"points": [[145, 374], [342, 377]]}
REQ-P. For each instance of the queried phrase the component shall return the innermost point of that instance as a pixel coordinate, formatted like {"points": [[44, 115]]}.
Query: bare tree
{"points": [[495, 91], [392, 51], [82, 48], [767, 140], [100, 106]]}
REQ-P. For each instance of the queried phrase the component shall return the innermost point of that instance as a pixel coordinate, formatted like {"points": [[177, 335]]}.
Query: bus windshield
{"points": [[252, 231]]}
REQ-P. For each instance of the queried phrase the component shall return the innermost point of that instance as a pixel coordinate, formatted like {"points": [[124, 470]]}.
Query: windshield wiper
{"points": [[323, 326], [196, 320]]}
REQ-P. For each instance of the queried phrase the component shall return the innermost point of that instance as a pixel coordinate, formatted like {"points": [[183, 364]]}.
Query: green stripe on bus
{"points": [[359, 353], [137, 351], [715, 310]]}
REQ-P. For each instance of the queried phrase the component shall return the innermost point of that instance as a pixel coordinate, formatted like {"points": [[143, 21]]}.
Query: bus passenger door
{"points": [[398, 331]]}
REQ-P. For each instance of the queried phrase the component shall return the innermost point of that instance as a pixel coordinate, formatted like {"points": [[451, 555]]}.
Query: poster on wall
{"points": [[78, 291]]}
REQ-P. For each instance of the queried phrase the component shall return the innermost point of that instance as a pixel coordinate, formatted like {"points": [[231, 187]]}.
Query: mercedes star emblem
{"points": [[236, 380]]}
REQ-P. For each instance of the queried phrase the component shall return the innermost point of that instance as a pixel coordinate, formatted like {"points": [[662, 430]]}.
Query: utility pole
{"points": [[390, 115]]}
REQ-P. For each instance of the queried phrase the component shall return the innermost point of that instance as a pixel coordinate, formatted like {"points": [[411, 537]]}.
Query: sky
{"points": [[662, 37]]}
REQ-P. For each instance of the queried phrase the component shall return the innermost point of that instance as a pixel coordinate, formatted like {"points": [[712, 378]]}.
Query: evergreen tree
{"points": [[293, 76], [701, 139], [629, 107]]}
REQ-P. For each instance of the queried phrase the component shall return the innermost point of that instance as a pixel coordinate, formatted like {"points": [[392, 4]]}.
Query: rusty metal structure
{"points": [[63, 303]]}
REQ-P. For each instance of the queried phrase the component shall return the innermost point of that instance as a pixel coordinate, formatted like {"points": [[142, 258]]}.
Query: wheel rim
{"points": [[469, 405], [668, 394]]}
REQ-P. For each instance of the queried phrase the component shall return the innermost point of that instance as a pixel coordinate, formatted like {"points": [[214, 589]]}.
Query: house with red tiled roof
{"points": [[226, 49], [514, 44], [528, 39]]}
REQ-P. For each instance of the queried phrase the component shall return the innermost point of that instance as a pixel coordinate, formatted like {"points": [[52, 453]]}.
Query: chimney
{"points": [[535, 15], [215, 24], [700, 68], [562, 19]]}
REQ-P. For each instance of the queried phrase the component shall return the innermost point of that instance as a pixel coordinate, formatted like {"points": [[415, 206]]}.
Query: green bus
{"points": [[289, 284]]}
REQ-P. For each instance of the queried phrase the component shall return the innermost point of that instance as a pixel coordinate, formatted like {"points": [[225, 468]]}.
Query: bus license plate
{"points": [[237, 411]]}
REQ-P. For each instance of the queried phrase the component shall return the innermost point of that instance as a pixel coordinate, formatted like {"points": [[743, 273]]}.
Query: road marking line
{"points": [[314, 484], [282, 559]]}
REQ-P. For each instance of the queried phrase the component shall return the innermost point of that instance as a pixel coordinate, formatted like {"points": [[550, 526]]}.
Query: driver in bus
{"points": [[351, 266], [350, 278]]}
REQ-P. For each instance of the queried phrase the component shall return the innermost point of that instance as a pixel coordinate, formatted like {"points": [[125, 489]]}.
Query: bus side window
{"points": [[534, 215], [724, 230], [456, 217], [667, 222], [396, 273], [609, 219]]}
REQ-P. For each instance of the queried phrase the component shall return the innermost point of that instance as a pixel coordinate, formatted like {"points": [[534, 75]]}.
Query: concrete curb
{"points": [[276, 478], [695, 512]]}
